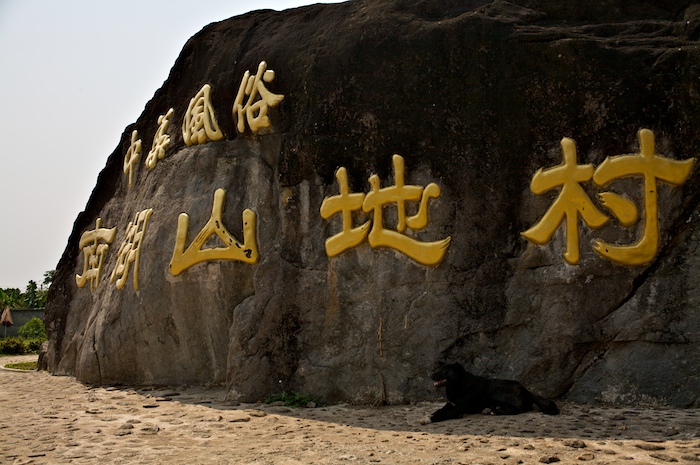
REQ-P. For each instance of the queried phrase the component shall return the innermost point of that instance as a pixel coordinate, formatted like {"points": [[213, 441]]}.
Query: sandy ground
{"points": [[55, 420]]}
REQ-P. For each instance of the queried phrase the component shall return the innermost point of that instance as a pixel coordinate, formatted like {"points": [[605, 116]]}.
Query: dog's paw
{"points": [[425, 421]]}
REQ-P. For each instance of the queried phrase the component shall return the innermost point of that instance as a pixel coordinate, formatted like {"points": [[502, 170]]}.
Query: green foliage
{"points": [[291, 399], [32, 329], [33, 345], [30, 296], [12, 298], [33, 297], [19, 346], [12, 346], [48, 279]]}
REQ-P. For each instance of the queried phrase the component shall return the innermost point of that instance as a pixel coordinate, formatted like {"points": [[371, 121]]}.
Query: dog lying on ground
{"points": [[468, 393]]}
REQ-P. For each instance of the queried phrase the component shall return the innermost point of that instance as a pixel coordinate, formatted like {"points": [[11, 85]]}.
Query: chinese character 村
{"points": [[573, 201]]}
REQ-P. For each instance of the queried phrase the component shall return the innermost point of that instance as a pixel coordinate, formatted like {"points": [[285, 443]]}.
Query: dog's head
{"points": [[448, 373]]}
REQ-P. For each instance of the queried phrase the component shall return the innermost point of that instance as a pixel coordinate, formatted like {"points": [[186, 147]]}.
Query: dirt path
{"points": [[55, 420]]}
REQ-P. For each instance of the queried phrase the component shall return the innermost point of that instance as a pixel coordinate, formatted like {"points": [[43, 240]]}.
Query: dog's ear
{"points": [[457, 369]]}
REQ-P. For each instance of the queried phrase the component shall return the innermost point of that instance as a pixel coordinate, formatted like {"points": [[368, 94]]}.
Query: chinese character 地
{"points": [[573, 201], [426, 253], [199, 125], [94, 245], [130, 250], [233, 250], [255, 112]]}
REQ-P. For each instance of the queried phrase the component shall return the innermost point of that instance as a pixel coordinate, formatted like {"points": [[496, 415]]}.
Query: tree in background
{"points": [[11, 297], [43, 291], [33, 329], [33, 297], [30, 296], [48, 279]]}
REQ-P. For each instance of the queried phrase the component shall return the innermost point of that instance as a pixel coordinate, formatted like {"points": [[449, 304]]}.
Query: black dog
{"points": [[468, 393]]}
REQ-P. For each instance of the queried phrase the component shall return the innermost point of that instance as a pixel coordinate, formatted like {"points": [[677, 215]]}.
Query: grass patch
{"points": [[22, 366], [291, 399]]}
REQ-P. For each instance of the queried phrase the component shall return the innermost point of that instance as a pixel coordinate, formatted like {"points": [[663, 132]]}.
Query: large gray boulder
{"points": [[475, 97]]}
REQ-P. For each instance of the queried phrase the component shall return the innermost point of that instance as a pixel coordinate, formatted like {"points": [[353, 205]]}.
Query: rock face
{"points": [[476, 97]]}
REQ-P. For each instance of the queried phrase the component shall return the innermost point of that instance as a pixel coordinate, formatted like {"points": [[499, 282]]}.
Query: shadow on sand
{"points": [[594, 423]]}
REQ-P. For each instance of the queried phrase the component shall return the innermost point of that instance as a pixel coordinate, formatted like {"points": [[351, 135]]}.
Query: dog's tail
{"points": [[546, 406]]}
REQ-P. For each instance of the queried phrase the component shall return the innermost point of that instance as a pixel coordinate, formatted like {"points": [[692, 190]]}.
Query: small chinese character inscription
{"points": [[132, 157], [160, 141], [94, 245], [199, 125], [255, 112], [130, 250]]}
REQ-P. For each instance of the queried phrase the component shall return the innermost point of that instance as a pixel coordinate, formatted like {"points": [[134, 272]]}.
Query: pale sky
{"points": [[73, 75]]}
